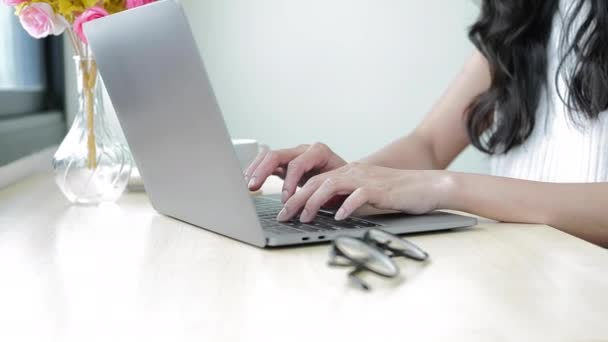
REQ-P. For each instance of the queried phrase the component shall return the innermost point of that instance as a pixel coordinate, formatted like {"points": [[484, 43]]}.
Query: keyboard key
{"points": [[268, 209]]}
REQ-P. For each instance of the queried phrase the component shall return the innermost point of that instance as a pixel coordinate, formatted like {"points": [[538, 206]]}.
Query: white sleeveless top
{"points": [[558, 150]]}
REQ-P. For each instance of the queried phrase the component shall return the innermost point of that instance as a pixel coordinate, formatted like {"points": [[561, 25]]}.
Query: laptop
{"points": [[165, 103]]}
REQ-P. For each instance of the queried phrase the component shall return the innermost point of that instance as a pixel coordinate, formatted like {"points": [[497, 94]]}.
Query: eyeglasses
{"points": [[374, 253]]}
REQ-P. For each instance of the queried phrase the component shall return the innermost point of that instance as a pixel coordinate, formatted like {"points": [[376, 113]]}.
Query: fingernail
{"points": [[251, 182], [284, 196], [282, 214], [305, 216], [340, 215], [246, 178]]}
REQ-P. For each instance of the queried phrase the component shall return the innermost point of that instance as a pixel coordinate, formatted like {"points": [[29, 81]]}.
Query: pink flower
{"points": [[13, 2], [39, 20], [86, 16], [136, 3]]}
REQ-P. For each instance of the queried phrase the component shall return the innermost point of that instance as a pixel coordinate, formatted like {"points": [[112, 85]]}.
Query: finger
{"points": [[331, 187], [314, 157], [298, 200], [265, 168], [272, 160], [256, 162], [357, 199]]}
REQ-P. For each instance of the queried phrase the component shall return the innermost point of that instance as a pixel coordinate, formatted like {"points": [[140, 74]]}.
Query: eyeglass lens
{"points": [[367, 256], [397, 244]]}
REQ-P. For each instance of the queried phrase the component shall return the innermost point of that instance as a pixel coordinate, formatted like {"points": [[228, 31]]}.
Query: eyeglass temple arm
{"points": [[352, 275]]}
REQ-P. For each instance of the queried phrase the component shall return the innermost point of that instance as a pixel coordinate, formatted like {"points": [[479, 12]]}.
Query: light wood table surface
{"points": [[122, 272]]}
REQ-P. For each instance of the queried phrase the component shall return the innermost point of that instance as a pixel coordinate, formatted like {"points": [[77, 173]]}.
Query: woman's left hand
{"points": [[408, 191]]}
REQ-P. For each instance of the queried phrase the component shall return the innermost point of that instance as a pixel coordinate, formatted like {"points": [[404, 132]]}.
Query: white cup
{"points": [[246, 151]]}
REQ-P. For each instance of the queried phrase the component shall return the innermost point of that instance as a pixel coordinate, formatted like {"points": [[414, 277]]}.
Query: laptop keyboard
{"points": [[268, 209]]}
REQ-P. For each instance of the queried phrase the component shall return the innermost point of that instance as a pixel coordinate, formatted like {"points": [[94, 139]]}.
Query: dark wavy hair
{"points": [[513, 35]]}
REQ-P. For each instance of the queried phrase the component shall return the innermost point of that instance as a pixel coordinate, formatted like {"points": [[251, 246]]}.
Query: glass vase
{"points": [[91, 165]]}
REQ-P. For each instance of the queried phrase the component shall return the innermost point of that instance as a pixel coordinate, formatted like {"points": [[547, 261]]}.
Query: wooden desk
{"points": [[121, 272]]}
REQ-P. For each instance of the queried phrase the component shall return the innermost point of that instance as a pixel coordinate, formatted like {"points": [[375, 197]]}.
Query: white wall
{"points": [[354, 74]]}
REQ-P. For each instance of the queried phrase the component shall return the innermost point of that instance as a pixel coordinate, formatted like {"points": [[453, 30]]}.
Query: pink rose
{"points": [[39, 20], [13, 2], [86, 16], [136, 3]]}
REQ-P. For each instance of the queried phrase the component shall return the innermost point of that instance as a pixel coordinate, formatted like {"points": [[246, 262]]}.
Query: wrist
{"points": [[447, 186]]}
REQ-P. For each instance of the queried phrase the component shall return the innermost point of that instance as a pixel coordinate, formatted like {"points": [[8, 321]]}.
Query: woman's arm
{"points": [[578, 209], [442, 135]]}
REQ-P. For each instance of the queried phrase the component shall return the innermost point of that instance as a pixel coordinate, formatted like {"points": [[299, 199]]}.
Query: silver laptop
{"points": [[157, 82]]}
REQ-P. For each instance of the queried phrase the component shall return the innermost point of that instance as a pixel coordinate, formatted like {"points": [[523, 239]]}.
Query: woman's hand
{"points": [[294, 165], [412, 192]]}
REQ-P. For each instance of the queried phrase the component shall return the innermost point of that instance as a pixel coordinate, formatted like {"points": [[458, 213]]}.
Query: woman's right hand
{"points": [[294, 165]]}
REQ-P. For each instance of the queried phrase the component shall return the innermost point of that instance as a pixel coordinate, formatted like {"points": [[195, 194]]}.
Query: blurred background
{"points": [[355, 74], [32, 92]]}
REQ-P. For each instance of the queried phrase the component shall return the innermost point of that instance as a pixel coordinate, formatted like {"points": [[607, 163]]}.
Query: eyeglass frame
{"points": [[378, 247]]}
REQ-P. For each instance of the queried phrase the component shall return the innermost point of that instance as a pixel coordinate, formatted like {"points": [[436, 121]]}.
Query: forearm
{"points": [[410, 152], [578, 209]]}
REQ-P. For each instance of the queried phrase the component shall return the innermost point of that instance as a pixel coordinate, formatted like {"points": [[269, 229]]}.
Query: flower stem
{"points": [[89, 78]]}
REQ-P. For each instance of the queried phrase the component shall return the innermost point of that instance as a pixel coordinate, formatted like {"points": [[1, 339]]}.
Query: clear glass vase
{"points": [[91, 165]]}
